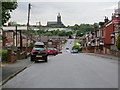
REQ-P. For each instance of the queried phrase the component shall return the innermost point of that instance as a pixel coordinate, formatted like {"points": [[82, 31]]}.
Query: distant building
{"points": [[60, 29], [11, 23], [56, 23]]}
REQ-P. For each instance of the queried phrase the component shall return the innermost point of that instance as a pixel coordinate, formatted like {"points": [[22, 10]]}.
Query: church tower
{"points": [[59, 19]]}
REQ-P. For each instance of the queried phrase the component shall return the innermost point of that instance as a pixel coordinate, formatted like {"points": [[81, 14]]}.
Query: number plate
{"points": [[38, 56]]}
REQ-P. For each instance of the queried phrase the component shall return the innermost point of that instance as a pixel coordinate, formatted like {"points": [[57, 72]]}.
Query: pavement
{"points": [[10, 70], [104, 56]]}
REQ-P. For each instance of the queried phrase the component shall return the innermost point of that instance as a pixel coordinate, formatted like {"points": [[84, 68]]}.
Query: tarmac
{"points": [[10, 70]]}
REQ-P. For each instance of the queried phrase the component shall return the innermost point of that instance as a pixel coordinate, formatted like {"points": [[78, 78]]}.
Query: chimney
{"points": [[113, 16], [106, 19]]}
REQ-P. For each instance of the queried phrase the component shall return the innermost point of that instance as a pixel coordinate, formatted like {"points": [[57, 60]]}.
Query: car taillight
{"points": [[45, 52], [32, 52], [48, 50]]}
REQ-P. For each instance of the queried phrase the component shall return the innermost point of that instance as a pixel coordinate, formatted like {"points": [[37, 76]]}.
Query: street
{"points": [[68, 70]]}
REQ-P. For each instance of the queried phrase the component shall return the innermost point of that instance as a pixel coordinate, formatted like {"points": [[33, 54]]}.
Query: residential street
{"points": [[68, 70]]}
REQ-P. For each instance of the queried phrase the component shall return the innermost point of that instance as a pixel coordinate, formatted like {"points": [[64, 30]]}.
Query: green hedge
{"points": [[77, 41], [118, 42], [77, 47], [4, 55], [32, 45]]}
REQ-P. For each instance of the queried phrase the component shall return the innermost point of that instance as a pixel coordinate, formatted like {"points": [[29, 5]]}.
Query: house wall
{"points": [[108, 30]]}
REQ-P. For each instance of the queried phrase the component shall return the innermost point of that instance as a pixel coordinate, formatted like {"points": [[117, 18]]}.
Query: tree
{"points": [[7, 7], [80, 33], [96, 25], [118, 42], [48, 34]]}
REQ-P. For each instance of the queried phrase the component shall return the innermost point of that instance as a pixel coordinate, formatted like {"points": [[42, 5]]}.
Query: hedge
{"points": [[4, 55], [118, 42], [77, 47]]}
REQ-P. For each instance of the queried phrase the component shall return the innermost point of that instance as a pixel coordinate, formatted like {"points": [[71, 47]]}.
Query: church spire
{"points": [[59, 19], [59, 15]]}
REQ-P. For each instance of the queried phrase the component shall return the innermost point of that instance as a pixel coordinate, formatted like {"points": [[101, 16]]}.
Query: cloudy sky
{"points": [[72, 12]]}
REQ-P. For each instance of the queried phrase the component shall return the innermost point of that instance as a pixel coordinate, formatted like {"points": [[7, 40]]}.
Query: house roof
{"points": [[52, 22]]}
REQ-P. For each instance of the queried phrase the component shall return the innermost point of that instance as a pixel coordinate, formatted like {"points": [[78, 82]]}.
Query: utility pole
{"points": [[29, 7], [16, 36], [20, 40], [39, 29]]}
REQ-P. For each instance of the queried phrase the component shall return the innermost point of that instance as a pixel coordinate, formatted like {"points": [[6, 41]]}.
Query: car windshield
{"points": [[51, 48], [38, 49], [67, 48]]}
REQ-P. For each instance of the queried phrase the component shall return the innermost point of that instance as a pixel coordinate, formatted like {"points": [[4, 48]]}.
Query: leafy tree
{"points": [[40, 31], [96, 25], [7, 7], [62, 33], [80, 33], [48, 34], [31, 32]]}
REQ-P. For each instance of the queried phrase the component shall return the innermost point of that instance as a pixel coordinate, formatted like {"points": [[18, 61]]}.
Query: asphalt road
{"points": [[68, 70]]}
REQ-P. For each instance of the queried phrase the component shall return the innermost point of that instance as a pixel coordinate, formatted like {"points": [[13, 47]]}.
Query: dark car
{"points": [[52, 51], [67, 48], [39, 53]]}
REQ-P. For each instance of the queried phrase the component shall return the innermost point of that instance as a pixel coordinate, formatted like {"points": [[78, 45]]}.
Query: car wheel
{"points": [[36, 61], [31, 59], [46, 59]]}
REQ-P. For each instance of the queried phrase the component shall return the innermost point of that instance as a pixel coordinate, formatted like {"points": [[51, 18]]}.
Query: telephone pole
{"points": [[39, 29], [29, 7]]}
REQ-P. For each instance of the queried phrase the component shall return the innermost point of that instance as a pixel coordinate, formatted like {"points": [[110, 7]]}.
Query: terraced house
{"points": [[103, 39]]}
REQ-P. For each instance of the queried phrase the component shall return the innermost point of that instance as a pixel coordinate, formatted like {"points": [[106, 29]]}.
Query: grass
{"points": [[77, 41]]}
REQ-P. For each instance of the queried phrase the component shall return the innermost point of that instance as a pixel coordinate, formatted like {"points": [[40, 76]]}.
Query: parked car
{"points": [[52, 51], [67, 48], [39, 53], [74, 51]]}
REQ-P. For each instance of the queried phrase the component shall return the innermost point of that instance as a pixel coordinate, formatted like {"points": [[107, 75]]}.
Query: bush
{"points": [[32, 45], [77, 41], [77, 47], [4, 55], [118, 42]]}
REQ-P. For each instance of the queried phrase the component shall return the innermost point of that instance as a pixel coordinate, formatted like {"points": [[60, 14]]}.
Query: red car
{"points": [[52, 51]]}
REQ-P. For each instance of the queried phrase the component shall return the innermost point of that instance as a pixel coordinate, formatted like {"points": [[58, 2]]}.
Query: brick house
{"points": [[100, 40]]}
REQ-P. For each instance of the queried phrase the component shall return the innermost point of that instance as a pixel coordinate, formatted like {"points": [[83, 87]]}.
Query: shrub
{"points": [[32, 45], [118, 42], [4, 55], [77, 47], [77, 41]]}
